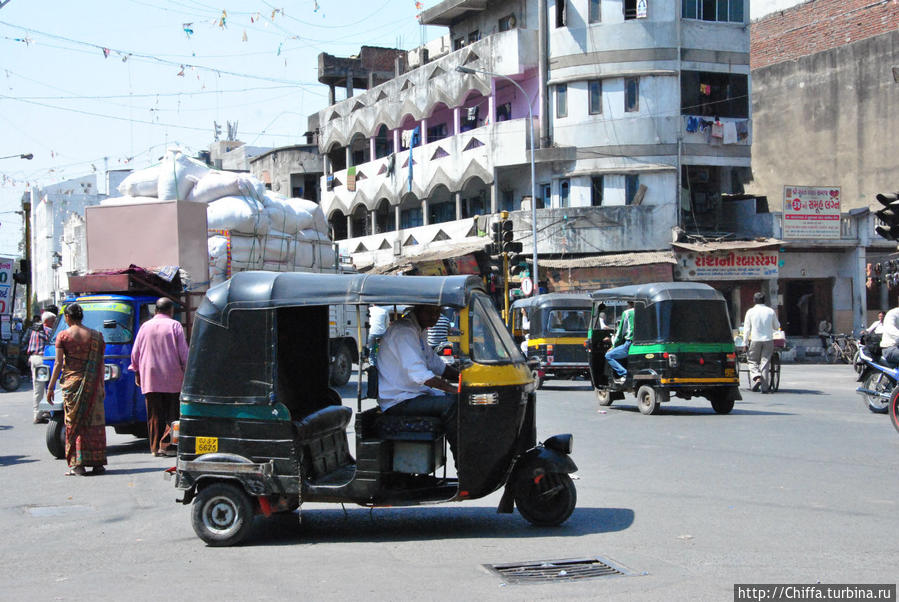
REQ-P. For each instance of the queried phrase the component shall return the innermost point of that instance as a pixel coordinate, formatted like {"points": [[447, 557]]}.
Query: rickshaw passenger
{"points": [[621, 343], [573, 322], [412, 379]]}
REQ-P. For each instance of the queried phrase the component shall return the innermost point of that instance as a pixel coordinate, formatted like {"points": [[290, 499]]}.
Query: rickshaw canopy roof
{"points": [[656, 292], [270, 290], [553, 300]]}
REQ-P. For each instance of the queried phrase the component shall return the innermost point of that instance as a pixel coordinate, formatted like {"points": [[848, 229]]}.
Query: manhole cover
{"points": [[570, 569]]}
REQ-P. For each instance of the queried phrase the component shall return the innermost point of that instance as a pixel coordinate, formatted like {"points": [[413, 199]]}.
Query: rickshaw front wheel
{"points": [[538, 382], [604, 397], [647, 400], [546, 501], [222, 514]]}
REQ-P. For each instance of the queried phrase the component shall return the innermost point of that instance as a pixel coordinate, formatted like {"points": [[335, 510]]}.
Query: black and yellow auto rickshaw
{"points": [[682, 345], [556, 331], [261, 432]]}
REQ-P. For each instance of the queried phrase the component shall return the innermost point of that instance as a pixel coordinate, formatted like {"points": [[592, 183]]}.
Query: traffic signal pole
{"points": [[506, 288]]}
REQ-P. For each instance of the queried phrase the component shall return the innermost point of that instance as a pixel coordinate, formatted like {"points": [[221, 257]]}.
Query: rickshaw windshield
{"points": [[113, 319], [490, 341], [568, 320], [694, 320]]}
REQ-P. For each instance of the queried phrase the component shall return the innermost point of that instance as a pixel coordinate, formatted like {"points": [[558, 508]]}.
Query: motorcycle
{"points": [[878, 381]]}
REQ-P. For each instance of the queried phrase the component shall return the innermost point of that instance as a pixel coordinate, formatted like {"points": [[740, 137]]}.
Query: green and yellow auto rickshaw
{"points": [[682, 345], [261, 431], [556, 334]]}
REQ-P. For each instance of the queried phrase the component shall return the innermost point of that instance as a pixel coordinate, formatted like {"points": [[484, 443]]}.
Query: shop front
{"points": [[585, 274]]}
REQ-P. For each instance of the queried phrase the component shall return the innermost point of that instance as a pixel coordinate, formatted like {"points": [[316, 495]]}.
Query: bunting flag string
{"points": [[105, 53], [188, 29]]}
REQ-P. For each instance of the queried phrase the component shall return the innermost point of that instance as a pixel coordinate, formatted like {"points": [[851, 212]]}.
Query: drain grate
{"points": [[547, 571]]}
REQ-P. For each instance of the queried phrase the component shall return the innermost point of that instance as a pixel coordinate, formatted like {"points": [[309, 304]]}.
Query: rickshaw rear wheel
{"points": [[56, 437], [222, 514], [546, 501], [604, 397], [647, 400], [722, 403]]}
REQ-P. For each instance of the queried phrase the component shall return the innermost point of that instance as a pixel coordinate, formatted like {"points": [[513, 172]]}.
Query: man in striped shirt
{"points": [[40, 338], [439, 332]]}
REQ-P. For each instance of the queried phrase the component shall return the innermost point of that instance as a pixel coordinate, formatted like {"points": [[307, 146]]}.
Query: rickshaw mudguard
{"points": [[254, 477], [540, 457]]}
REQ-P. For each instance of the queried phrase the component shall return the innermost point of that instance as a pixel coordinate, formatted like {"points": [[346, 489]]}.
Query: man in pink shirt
{"points": [[158, 360]]}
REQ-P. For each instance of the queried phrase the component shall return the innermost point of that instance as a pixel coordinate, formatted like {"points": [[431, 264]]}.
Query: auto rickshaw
{"points": [[682, 346], [556, 333], [261, 432]]}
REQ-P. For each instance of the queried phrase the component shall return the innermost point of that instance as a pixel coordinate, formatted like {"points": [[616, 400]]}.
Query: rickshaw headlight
{"points": [[42, 373], [176, 431], [111, 372], [483, 399], [560, 443]]}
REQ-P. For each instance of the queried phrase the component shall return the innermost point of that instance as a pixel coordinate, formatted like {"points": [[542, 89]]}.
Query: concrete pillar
{"points": [[396, 140], [457, 121], [374, 222], [458, 196], [349, 157], [424, 212], [491, 103], [396, 217], [326, 165], [371, 148], [859, 292], [349, 84], [494, 193], [424, 131], [332, 100], [349, 225]]}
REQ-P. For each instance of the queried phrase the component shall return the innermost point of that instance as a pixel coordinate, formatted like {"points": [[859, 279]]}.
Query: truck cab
{"points": [[117, 318]]}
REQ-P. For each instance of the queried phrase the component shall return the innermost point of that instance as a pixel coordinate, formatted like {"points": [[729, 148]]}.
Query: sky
{"points": [[122, 80]]}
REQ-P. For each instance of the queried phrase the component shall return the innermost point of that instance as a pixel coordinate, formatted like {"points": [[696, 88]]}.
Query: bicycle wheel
{"points": [[774, 373]]}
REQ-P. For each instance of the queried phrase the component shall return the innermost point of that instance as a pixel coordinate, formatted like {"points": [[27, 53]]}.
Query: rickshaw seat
{"points": [[323, 422]]}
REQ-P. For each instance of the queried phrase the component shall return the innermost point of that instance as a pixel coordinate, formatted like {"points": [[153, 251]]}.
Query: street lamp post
{"points": [[28, 156], [470, 71]]}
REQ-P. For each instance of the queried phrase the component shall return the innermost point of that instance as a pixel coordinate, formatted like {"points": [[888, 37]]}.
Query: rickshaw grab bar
{"points": [[264, 470]]}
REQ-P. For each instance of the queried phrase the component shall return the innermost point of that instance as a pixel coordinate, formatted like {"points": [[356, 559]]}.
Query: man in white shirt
{"points": [[890, 337], [876, 326], [412, 379], [758, 330]]}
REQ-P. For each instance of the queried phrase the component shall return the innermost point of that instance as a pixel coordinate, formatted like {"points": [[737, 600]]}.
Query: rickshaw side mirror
{"points": [[533, 362]]}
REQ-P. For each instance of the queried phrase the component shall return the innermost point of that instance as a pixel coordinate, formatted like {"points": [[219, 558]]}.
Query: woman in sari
{"points": [[79, 358]]}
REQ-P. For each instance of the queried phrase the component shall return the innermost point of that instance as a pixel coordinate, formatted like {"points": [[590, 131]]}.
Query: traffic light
{"points": [[23, 276], [889, 216]]}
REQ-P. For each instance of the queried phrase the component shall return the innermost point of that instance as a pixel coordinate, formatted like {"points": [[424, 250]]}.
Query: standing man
{"points": [[158, 359], [621, 343], [758, 330], [378, 319], [39, 338], [439, 332]]}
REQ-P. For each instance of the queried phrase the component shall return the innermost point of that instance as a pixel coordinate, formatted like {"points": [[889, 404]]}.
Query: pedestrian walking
{"points": [[758, 330], [158, 359], [37, 341], [439, 332]]}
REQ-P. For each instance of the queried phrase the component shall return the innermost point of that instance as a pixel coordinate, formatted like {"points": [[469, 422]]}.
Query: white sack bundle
{"points": [[142, 182], [218, 253], [177, 175], [129, 200], [238, 214], [217, 184], [311, 208], [286, 215], [246, 248], [277, 248], [304, 256]]}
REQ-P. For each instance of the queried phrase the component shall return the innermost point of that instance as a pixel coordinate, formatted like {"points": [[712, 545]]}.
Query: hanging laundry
{"points": [[181, 73], [692, 124], [730, 133], [472, 114], [416, 137], [742, 130], [705, 89], [406, 138], [718, 130], [243, 38], [223, 20]]}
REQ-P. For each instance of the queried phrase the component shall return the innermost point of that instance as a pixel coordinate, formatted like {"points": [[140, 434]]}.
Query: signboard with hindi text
{"points": [[742, 264], [811, 212], [7, 267]]}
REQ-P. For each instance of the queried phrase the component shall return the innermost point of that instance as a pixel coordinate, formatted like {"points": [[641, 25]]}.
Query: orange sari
{"points": [[83, 390]]}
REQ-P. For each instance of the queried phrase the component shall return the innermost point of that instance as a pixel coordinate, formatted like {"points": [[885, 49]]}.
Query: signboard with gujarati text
{"points": [[811, 212], [7, 267], [740, 264]]}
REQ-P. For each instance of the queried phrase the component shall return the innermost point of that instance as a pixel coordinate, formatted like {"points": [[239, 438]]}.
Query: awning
{"points": [[729, 245], [449, 11], [450, 251], [619, 260]]}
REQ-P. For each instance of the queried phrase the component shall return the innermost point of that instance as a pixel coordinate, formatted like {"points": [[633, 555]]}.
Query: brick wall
{"points": [[818, 25]]}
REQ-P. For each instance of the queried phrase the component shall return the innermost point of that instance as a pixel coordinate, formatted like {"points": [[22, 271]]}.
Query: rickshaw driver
{"points": [[621, 343], [412, 379]]}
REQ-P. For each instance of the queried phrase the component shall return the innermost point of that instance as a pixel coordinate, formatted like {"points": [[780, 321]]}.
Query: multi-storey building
{"points": [[642, 127]]}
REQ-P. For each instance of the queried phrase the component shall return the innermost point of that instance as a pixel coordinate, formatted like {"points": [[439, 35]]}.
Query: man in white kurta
{"points": [[758, 331], [412, 379]]}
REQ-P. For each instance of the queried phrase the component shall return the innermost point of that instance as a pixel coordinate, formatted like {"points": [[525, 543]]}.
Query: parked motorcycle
{"points": [[10, 377], [894, 409], [878, 381]]}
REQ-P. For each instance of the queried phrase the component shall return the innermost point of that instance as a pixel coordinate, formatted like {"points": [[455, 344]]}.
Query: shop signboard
{"points": [[742, 264], [7, 266], [811, 212], [578, 280]]}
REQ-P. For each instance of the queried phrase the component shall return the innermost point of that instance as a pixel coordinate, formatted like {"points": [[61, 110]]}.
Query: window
{"points": [[594, 12], [458, 43], [436, 132], [410, 218], [596, 191], [507, 23], [594, 89], [630, 9], [546, 198], [508, 200], [631, 94], [713, 10], [560, 12], [561, 100], [714, 94], [631, 185], [474, 36], [564, 192]]}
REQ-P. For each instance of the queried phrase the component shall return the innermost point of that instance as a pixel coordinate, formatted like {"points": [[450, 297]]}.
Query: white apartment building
{"points": [[640, 108]]}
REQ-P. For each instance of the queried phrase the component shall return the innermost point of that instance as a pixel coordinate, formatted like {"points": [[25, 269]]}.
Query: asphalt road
{"points": [[799, 486]]}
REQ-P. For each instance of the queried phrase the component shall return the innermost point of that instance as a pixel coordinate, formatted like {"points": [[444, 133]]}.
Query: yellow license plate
{"points": [[729, 372], [207, 445]]}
